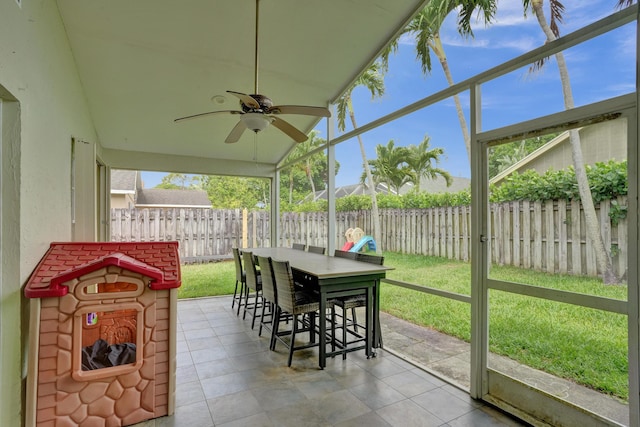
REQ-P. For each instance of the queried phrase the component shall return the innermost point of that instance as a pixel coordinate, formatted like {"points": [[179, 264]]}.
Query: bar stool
{"points": [[316, 250], [253, 285], [238, 292], [351, 303], [269, 298], [295, 303]]}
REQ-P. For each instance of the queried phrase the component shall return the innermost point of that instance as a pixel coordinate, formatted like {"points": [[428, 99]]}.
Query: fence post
{"points": [[245, 213]]}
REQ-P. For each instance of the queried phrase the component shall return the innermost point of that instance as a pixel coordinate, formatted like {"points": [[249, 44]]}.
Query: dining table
{"points": [[334, 277]]}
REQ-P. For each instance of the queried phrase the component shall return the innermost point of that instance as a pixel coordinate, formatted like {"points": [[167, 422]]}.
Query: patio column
{"points": [[275, 209], [331, 184]]}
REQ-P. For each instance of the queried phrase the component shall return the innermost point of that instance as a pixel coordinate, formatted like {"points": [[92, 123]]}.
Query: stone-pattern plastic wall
{"points": [[118, 400]]}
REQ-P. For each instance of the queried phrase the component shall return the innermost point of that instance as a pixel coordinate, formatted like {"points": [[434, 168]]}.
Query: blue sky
{"points": [[597, 72]]}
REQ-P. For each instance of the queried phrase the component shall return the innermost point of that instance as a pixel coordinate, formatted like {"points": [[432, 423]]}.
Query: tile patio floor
{"points": [[227, 376]]}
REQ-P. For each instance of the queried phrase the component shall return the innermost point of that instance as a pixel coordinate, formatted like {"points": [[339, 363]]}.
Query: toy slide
{"points": [[366, 240], [347, 246]]}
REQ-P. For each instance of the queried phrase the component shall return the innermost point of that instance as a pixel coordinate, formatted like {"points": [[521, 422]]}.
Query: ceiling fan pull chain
{"points": [[255, 149]]}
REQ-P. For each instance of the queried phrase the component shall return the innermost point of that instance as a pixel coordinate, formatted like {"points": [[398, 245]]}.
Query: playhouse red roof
{"points": [[68, 260]]}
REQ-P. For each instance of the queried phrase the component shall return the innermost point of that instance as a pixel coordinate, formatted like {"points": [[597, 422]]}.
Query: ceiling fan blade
{"points": [[300, 109], [236, 132], [246, 99], [195, 116], [287, 128]]}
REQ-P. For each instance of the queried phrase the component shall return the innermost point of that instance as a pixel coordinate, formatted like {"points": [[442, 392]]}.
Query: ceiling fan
{"points": [[258, 112]]}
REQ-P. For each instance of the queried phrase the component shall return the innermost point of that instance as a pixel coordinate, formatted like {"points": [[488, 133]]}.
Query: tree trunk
{"points": [[591, 220], [310, 177], [442, 56], [290, 189], [375, 217]]}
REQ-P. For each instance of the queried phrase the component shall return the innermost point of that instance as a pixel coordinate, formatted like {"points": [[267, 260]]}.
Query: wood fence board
{"points": [[562, 237], [506, 235], [526, 234], [537, 235], [516, 260], [576, 239]]}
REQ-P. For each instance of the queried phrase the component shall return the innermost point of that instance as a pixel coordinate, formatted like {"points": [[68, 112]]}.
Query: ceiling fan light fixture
{"points": [[256, 121]]}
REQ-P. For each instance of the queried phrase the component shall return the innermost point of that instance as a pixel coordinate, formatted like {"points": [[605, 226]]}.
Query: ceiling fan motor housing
{"points": [[265, 104]]}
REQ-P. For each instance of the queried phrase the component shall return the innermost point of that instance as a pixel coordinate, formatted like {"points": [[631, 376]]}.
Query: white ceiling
{"points": [[144, 63]]}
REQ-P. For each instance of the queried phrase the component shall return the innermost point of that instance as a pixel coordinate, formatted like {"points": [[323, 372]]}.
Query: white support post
{"points": [[331, 185], [633, 275], [479, 251], [275, 209]]}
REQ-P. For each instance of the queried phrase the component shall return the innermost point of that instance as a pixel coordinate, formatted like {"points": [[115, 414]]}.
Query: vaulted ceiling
{"points": [[144, 63]]}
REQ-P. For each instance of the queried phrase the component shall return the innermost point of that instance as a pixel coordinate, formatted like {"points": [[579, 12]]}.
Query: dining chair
{"points": [[269, 298], [316, 249], [352, 303], [238, 292], [294, 302], [298, 246], [253, 286], [345, 254]]}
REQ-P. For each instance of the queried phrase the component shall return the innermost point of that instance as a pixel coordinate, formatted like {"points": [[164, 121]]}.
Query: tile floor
{"points": [[227, 376]]}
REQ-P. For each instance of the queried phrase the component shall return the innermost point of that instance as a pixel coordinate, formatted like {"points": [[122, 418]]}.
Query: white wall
{"points": [[37, 68]]}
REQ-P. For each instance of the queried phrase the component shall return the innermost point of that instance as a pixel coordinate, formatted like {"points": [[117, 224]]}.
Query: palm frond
{"points": [[624, 3], [557, 10]]}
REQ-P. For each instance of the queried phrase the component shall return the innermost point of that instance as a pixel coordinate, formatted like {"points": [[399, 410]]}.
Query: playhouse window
{"points": [[108, 340], [99, 290]]}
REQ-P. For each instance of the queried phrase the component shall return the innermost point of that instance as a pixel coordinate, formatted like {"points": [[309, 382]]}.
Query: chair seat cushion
{"points": [[347, 303], [303, 297]]}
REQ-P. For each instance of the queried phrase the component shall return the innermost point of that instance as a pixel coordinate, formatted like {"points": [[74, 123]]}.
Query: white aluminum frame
{"points": [[480, 374]]}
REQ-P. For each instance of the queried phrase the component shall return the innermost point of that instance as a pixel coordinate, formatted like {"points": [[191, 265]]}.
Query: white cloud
{"points": [[519, 44], [407, 39]]}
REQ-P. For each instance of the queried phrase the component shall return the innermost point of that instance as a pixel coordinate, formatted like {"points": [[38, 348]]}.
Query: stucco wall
{"points": [[37, 68], [122, 201]]}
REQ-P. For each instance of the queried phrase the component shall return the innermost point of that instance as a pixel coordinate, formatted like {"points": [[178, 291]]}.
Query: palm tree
{"points": [[421, 160], [309, 165], [389, 167], [372, 79], [551, 32], [426, 27], [309, 145]]}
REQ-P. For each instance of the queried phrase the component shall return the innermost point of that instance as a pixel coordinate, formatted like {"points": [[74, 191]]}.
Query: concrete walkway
{"points": [[448, 358]]}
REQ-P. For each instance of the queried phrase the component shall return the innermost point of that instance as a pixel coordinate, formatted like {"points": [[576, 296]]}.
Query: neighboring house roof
{"points": [[124, 181], [438, 185], [600, 142], [520, 164], [158, 197], [350, 190]]}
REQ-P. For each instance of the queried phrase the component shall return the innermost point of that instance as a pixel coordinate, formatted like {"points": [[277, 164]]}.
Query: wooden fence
{"points": [[546, 236]]}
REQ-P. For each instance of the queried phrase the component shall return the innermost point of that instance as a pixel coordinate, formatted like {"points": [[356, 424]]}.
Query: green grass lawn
{"points": [[200, 280], [584, 345]]}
